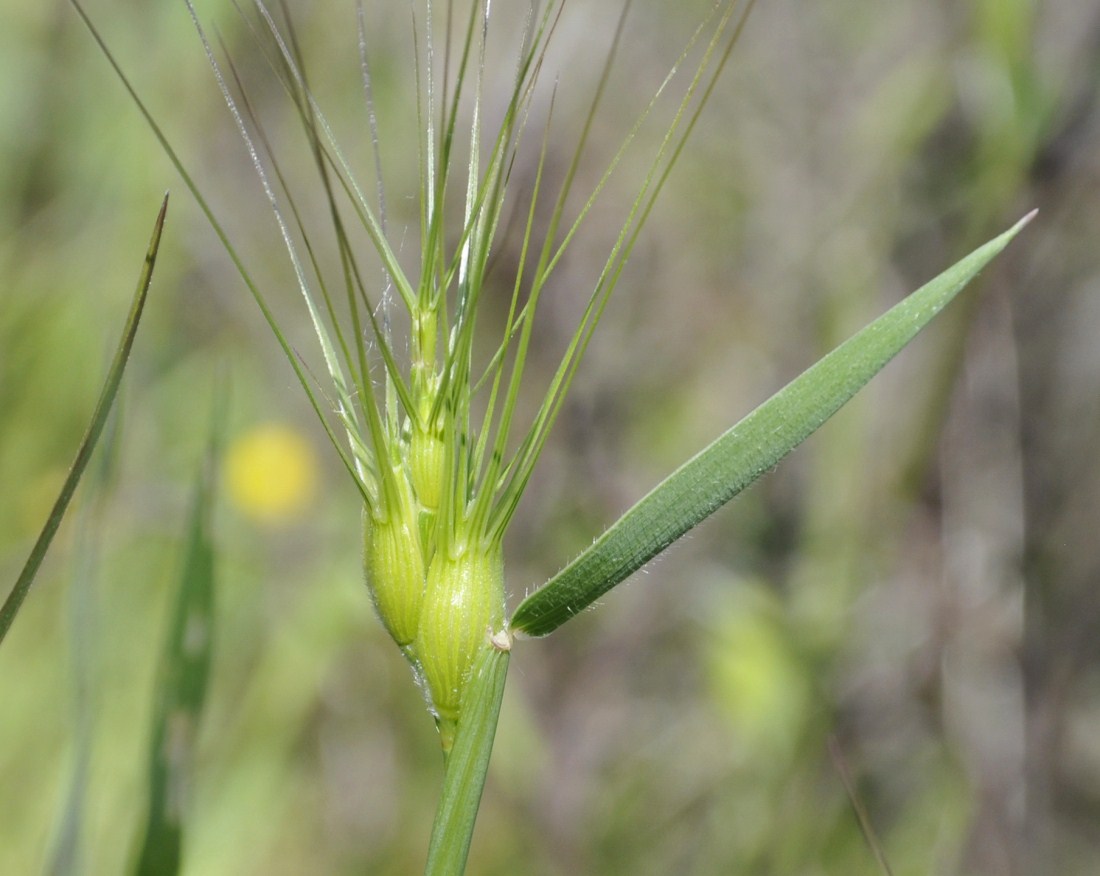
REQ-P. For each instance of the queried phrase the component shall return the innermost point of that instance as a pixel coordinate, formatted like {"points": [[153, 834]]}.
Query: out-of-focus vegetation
{"points": [[918, 581]]}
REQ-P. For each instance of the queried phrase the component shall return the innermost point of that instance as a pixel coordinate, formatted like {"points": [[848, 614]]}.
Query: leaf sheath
{"points": [[467, 765]]}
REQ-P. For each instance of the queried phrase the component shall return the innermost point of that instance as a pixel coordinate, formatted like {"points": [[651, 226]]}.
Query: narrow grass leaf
{"points": [[866, 827], [744, 453], [467, 765], [182, 682], [99, 417]]}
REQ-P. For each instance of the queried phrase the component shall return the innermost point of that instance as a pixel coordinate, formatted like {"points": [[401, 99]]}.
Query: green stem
{"points": [[468, 762]]}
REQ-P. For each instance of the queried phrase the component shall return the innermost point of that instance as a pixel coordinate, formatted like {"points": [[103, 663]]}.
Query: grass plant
{"points": [[439, 430]]}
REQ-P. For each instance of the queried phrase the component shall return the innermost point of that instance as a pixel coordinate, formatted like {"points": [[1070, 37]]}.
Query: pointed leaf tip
{"points": [[14, 600], [745, 452]]}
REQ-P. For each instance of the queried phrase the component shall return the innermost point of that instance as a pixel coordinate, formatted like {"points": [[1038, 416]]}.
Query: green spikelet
{"points": [[463, 605], [427, 467], [394, 564]]}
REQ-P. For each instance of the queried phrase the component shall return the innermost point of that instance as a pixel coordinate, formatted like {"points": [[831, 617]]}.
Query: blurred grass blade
{"points": [[467, 765], [181, 684], [68, 847], [836, 754], [95, 428], [746, 451]]}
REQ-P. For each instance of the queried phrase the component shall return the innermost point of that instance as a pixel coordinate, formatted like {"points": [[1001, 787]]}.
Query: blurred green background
{"points": [[917, 584]]}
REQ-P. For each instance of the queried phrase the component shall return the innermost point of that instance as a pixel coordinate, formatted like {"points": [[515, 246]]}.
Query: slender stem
{"points": [[468, 763]]}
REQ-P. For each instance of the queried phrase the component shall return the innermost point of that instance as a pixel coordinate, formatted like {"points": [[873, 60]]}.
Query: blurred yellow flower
{"points": [[271, 473]]}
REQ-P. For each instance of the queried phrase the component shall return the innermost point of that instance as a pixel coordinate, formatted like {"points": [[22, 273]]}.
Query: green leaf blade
{"points": [[182, 684], [745, 452], [14, 600]]}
